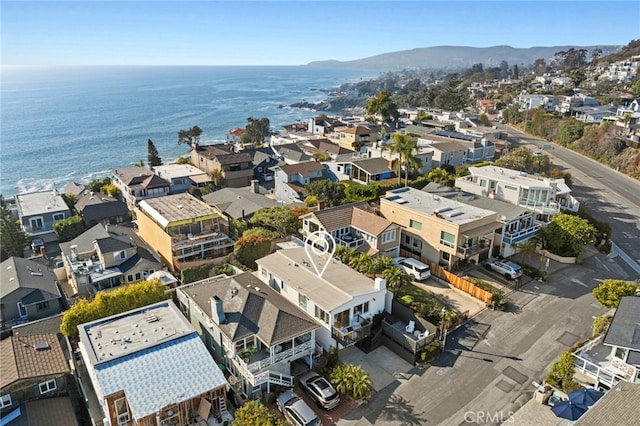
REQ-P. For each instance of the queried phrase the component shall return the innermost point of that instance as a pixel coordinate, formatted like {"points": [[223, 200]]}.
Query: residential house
{"points": [[356, 136], [38, 211], [263, 159], [35, 376], [533, 101], [29, 291], [621, 70], [238, 203], [182, 177], [234, 135], [474, 148], [98, 260], [438, 229], [514, 224], [323, 147], [355, 226], [423, 154], [291, 154], [74, 189], [323, 125], [365, 170], [342, 300], [235, 167], [181, 228], [568, 103], [139, 183], [101, 208], [594, 115], [628, 118], [613, 356], [250, 329], [148, 366], [544, 196], [290, 180]]}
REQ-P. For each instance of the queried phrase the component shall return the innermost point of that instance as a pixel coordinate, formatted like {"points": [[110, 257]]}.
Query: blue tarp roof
{"points": [[161, 375]]}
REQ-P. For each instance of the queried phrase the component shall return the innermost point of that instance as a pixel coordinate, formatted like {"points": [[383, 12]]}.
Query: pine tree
{"points": [[154, 158], [13, 239]]}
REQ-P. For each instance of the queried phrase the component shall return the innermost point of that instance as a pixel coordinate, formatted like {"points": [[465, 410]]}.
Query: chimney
{"points": [[74, 253], [217, 312], [321, 205], [255, 187], [380, 283]]}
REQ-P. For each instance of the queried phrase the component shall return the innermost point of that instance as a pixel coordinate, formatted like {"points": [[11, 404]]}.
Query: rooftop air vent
{"points": [[454, 214], [42, 346]]}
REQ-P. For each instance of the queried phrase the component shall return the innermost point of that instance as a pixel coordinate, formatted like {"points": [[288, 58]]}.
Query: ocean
{"points": [[75, 124]]}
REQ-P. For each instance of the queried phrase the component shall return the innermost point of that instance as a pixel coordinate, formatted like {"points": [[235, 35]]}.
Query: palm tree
{"points": [[405, 146], [396, 278], [351, 379]]}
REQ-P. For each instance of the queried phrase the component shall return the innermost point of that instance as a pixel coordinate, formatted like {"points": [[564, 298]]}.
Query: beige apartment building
{"points": [[439, 229]]}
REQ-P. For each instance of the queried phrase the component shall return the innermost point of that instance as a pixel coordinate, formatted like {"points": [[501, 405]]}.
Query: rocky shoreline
{"points": [[333, 104]]}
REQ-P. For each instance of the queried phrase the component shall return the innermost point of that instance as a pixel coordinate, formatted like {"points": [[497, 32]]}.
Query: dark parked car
{"points": [[320, 390]]}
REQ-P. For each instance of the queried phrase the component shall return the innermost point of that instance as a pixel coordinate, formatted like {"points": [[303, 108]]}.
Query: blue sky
{"points": [[293, 32]]}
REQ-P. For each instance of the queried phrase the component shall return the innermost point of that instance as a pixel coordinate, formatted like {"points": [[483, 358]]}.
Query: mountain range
{"points": [[459, 57]]}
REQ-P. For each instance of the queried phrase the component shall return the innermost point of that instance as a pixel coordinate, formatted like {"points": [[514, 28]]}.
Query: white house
{"points": [[342, 300]]}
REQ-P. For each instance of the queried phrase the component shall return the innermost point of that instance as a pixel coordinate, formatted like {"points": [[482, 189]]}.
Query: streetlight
{"points": [[444, 339]]}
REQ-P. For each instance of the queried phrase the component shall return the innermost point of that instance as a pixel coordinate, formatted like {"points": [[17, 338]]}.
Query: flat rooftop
{"points": [[519, 177], [428, 203], [170, 171], [176, 208], [338, 285], [36, 203], [120, 335]]}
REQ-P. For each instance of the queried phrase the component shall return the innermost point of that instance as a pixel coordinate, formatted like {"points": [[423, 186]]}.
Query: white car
{"points": [[418, 270], [510, 270]]}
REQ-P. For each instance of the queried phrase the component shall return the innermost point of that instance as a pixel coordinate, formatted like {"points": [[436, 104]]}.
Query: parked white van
{"points": [[418, 270]]}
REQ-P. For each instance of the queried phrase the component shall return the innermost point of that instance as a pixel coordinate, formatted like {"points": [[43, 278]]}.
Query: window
{"points": [[122, 411], [621, 353], [322, 315], [129, 278], [36, 223], [510, 188], [22, 310], [42, 306], [302, 301], [121, 255], [483, 182], [389, 236], [48, 386], [415, 225], [361, 309], [5, 401], [447, 239], [58, 216], [138, 276]]}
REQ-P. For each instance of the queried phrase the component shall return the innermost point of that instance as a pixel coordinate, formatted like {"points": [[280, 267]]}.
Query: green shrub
{"points": [[600, 324], [430, 351], [69, 228], [609, 292], [250, 249], [561, 373]]}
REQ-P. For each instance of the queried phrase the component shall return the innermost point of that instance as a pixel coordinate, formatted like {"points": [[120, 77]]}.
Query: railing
{"points": [[254, 367], [273, 377], [351, 244], [600, 373], [538, 206], [521, 235], [351, 334], [465, 252]]}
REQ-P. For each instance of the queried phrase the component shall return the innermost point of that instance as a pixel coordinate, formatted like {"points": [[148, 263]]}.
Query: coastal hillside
{"points": [[457, 57]]}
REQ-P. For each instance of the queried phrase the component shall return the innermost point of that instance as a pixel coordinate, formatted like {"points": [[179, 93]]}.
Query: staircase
{"points": [[222, 403]]}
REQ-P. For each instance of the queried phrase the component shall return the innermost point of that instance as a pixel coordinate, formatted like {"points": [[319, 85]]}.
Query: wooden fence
{"points": [[456, 281]]}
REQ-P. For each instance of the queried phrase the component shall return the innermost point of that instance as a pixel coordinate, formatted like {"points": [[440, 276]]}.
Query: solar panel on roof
{"points": [[451, 134]]}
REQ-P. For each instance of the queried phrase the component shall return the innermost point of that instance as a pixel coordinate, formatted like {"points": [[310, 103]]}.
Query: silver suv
{"points": [[510, 270], [320, 390], [295, 410]]}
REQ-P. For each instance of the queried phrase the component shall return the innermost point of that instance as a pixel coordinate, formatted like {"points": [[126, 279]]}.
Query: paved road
{"points": [[489, 365], [608, 195]]}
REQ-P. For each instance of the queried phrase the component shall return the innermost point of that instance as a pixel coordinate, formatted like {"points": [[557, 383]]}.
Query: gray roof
{"points": [[113, 244], [618, 407], [36, 203], [234, 202], [224, 156], [49, 325], [508, 210], [143, 259], [251, 307], [17, 272], [292, 152], [624, 330], [373, 166], [100, 206], [85, 240]]}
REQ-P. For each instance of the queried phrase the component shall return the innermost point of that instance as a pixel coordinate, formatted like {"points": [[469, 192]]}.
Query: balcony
{"points": [[348, 240], [521, 235], [596, 361], [465, 252], [352, 333], [540, 207], [253, 367], [200, 245]]}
